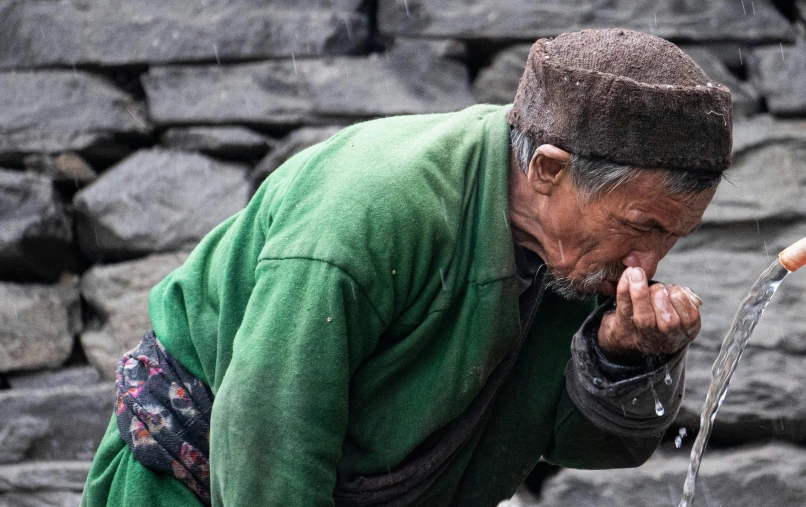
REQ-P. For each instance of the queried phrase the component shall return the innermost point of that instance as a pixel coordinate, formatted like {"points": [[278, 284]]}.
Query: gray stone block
{"points": [[231, 142], [77, 376], [68, 167], [36, 233], [763, 238], [118, 295], [37, 324], [722, 279], [289, 146], [764, 476], [116, 32], [157, 201], [779, 72], [44, 476], [454, 49], [57, 110], [744, 96], [407, 79], [524, 20], [762, 130], [54, 424], [765, 400], [498, 83], [41, 499], [766, 179]]}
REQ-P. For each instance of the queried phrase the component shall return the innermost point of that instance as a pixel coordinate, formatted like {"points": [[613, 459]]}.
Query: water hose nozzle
{"points": [[793, 257]]}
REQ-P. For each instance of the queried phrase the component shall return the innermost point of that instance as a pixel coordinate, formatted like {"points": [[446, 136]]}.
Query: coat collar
{"points": [[493, 251]]}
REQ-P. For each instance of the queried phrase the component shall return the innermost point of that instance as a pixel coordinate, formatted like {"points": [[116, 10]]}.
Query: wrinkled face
{"points": [[587, 245]]}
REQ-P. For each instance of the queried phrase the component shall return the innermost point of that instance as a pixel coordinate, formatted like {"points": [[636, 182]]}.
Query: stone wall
{"points": [[129, 130]]}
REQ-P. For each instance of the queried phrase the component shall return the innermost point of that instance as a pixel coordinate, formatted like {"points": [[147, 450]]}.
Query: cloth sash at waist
{"points": [[163, 414]]}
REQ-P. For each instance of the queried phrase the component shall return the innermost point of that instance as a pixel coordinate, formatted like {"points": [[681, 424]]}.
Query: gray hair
{"points": [[595, 176]]}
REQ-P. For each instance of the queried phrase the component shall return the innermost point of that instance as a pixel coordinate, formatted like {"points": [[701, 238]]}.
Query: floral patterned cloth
{"points": [[163, 414]]}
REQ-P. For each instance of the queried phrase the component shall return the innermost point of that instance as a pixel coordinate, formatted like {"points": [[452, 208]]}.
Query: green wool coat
{"points": [[353, 308]]}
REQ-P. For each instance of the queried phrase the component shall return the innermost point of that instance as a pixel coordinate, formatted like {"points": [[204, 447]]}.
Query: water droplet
{"points": [[634, 401], [330, 319], [659, 410], [597, 381], [394, 272], [678, 441], [682, 432], [668, 379]]}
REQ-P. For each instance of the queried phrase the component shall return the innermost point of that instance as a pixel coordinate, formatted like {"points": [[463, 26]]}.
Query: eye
{"points": [[642, 230]]}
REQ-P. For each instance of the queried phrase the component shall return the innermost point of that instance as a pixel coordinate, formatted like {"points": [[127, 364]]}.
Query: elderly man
{"points": [[406, 313]]}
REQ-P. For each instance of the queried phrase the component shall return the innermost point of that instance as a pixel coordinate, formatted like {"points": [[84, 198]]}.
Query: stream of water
{"points": [[725, 364]]}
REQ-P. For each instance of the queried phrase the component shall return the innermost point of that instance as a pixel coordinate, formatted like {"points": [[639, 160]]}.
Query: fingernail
{"points": [[637, 275], [694, 298]]}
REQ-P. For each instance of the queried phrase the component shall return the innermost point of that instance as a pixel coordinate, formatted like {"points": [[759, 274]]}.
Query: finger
{"points": [[666, 317], [694, 298], [643, 313], [685, 306], [623, 299]]}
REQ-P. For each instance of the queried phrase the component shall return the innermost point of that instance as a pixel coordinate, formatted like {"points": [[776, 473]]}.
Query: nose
{"points": [[648, 261]]}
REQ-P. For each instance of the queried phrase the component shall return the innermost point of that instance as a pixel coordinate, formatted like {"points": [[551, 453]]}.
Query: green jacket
{"points": [[355, 307]]}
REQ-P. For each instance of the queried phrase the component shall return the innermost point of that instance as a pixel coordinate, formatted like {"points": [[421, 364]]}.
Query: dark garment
{"points": [[642, 405], [163, 415], [527, 264]]}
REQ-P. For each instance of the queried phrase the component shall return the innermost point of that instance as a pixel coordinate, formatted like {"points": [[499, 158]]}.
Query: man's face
{"points": [[589, 244]]}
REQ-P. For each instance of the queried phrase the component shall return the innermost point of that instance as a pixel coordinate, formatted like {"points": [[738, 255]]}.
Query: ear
{"points": [[546, 168]]}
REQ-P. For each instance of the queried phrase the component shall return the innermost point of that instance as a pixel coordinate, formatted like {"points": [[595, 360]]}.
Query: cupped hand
{"points": [[649, 320]]}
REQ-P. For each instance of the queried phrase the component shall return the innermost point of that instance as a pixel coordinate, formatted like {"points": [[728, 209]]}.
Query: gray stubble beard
{"points": [[584, 289]]}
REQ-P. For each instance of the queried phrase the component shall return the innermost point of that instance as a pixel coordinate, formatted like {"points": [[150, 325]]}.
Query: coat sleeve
{"points": [[280, 415], [607, 421]]}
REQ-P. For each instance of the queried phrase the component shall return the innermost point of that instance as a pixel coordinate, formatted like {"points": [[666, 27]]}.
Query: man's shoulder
{"points": [[389, 190]]}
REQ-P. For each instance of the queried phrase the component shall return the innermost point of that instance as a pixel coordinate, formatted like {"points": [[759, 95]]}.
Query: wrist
{"points": [[616, 354]]}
